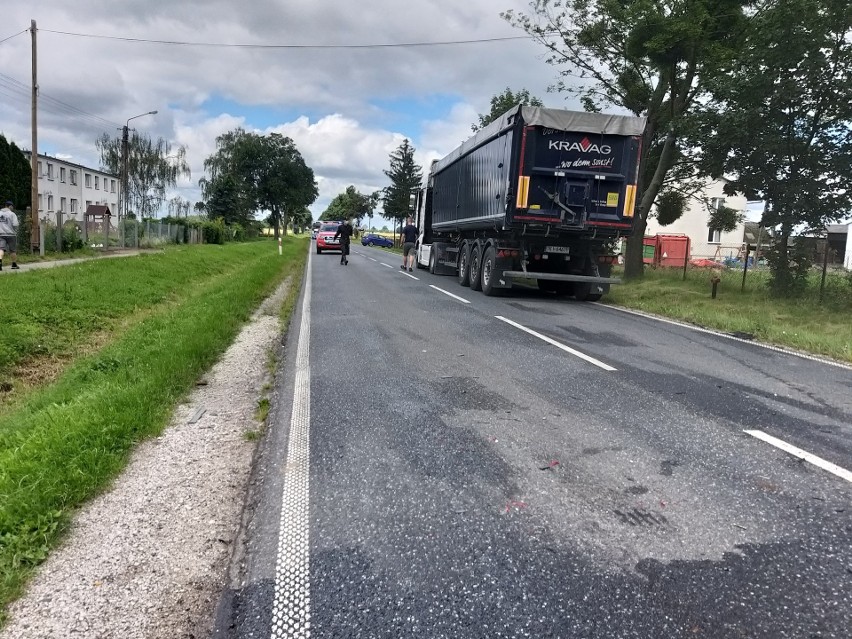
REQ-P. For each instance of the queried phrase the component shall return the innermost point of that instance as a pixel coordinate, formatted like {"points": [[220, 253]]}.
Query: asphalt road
{"points": [[434, 469]]}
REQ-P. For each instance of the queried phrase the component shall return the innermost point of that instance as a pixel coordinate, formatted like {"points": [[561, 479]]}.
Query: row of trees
{"points": [[757, 89]]}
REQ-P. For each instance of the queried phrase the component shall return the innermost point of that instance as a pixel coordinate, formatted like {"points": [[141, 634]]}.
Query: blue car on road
{"points": [[371, 239]]}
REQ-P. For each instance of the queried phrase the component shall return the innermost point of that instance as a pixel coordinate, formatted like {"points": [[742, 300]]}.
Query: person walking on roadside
{"points": [[344, 233], [409, 237], [9, 234]]}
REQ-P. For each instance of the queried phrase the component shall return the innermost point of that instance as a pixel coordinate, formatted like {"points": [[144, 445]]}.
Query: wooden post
{"points": [[824, 269], [745, 268], [36, 238]]}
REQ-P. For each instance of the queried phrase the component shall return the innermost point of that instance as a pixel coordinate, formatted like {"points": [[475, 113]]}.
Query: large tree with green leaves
{"points": [[351, 204], [406, 178], [652, 58], [152, 167], [285, 184], [502, 102], [779, 120], [229, 189], [251, 172]]}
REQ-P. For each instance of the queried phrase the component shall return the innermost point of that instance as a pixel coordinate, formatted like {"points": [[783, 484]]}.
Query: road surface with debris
{"points": [[444, 464]]}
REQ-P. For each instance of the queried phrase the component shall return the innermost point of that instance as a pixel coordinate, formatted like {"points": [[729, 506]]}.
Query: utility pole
{"points": [[122, 210], [34, 228]]}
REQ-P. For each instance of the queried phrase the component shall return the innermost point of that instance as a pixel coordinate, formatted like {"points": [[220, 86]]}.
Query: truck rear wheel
{"points": [[489, 263], [476, 268], [584, 292], [464, 265], [432, 261]]}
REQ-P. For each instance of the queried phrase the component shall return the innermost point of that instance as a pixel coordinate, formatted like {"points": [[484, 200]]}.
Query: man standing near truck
{"points": [[409, 237], [9, 234]]}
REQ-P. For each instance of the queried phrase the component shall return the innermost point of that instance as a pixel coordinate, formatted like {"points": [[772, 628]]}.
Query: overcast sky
{"points": [[347, 109]]}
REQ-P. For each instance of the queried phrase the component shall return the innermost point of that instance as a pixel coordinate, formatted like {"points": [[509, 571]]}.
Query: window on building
{"points": [[88, 204], [714, 236], [717, 203], [62, 203], [97, 183], [40, 200], [50, 203], [88, 180], [73, 205], [62, 174], [49, 171], [39, 169], [112, 186], [73, 177]]}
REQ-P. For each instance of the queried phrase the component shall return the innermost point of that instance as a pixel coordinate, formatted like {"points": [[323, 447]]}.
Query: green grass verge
{"points": [[27, 258], [803, 323], [50, 313], [65, 442]]}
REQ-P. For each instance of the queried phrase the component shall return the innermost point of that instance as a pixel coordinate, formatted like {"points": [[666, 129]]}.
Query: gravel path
{"points": [[148, 558]]}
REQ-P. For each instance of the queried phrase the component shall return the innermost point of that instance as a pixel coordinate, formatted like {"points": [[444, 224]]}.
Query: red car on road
{"points": [[325, 238]]}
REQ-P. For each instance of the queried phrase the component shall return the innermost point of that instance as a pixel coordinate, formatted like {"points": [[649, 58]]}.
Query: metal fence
{"points": [[104, 234]]}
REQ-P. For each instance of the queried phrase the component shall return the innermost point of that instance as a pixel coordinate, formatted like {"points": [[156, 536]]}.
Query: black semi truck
{"points": [[539, 194]]}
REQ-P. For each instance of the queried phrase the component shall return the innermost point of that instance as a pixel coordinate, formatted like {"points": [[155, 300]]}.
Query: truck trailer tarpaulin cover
{"points": [[535, 166]]}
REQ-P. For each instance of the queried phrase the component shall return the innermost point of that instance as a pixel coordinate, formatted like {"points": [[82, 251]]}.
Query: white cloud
{"points": [[329, 95]]}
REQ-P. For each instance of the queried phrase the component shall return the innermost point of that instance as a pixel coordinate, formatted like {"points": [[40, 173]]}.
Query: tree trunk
{"points": [[782, 278], [285, 219], [633, 264]]}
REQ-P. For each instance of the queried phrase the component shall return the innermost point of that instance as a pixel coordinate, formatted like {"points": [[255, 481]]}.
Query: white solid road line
{"points": [[565, 348], [291, 606], [383, 264], [460, 299], [409, 275], [834, 469], [701, 329]]}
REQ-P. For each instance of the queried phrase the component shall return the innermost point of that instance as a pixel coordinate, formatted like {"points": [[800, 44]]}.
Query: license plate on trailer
{"points": [[565, 250]]}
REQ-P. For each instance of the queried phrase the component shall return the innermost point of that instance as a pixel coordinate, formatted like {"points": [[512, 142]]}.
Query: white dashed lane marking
{"points": [[383, 264], [559, 345], [291, 608], [819, 462], [460, 299], [409, 275]]}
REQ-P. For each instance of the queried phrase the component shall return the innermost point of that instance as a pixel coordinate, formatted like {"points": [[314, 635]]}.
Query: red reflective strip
{"points": [[616, 224], [536, 218]]}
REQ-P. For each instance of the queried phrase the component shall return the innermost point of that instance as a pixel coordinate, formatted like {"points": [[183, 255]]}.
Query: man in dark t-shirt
{"points": [[344, 232], [409, 237]]}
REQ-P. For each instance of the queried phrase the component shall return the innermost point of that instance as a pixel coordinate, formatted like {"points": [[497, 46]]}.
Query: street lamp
{"points": [[124, 152]]}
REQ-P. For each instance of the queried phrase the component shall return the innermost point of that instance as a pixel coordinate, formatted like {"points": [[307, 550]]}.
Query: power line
{"points": [[14, 35], [53, 104], [290, 46]]}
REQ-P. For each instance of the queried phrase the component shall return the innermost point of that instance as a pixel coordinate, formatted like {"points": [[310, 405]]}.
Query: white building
{"points": [[71, 188], [706, 242], [840, 240]]}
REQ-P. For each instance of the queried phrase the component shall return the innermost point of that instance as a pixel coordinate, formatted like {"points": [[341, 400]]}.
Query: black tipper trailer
{"points": [[538, 194]]}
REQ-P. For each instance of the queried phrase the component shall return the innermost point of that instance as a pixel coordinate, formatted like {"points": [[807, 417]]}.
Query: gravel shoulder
{"points": [[148, 558]]}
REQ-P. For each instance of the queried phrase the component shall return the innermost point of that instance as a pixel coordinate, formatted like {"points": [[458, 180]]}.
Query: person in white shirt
{"points": [[9, 234]]}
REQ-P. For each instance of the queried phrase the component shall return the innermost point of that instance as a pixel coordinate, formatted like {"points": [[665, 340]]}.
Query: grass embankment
{"points": [[62, 443], [802, 323]]}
